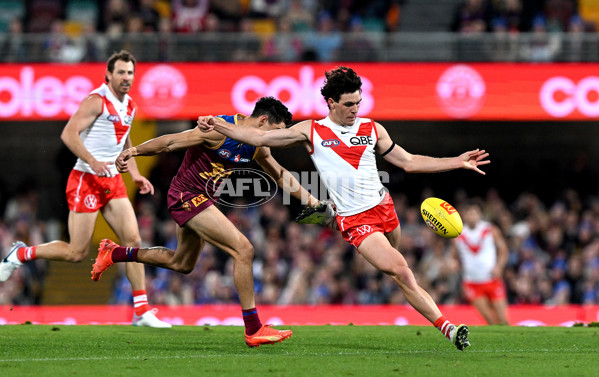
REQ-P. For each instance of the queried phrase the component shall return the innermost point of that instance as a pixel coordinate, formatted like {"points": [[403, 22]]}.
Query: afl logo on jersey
{"points": [[113, 118], [224, 153], [330, 143]]}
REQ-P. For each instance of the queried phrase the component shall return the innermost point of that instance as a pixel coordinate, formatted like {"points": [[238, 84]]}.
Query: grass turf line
{"points": [[40, 350]]}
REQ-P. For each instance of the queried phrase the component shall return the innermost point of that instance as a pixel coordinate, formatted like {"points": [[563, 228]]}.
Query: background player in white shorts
{"points": [[483, 254], [97, 133], [342, 147]]}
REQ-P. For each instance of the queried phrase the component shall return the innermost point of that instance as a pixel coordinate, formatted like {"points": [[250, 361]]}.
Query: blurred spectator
{"points": [[509, 14], [297, 18], [542, 46], [13, 46], [149, 15], [326, 41], [189, 15], [266, 8], [471, 17], [358, 45], [115, 13], [504, 44], [41, 15], [284, 45], [557, 14]]}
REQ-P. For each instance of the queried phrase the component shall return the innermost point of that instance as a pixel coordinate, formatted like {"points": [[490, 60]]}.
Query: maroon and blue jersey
{"points": [[203, 168]]}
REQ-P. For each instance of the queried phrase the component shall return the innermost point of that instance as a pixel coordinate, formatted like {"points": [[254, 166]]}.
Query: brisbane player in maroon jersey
{"points": [[210, 158]]}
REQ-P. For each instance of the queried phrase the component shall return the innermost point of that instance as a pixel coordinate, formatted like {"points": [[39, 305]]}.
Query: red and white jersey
{"points": [[478, 252], [106, 136], [345, 160]]}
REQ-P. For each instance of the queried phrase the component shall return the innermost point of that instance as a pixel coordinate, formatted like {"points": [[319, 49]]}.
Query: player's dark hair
{"points": [[274, 109], [123, 55], [473, 202], [339, 81]]}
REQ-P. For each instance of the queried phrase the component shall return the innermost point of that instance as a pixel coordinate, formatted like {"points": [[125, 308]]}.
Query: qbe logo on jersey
{"points": [[461, 91]]}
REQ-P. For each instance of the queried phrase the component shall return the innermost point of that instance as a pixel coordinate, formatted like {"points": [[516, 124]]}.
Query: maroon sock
{"points": [[125, 254], [251, 320]]}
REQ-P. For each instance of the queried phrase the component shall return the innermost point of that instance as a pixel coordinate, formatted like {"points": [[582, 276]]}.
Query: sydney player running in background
{"points": [[342, 147], [483, 253], [96, 133]]}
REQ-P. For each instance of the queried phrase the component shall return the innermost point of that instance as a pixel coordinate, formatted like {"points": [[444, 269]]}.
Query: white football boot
{"points": [[11, 262], [149, 319]]}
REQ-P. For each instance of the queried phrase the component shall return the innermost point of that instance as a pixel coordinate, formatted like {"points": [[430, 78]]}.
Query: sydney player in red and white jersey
{"points": [[97, 133], [483, 253], [343, 148]]}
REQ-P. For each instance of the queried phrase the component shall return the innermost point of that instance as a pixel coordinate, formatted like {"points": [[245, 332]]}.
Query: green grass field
{"points": [[36, 350]]}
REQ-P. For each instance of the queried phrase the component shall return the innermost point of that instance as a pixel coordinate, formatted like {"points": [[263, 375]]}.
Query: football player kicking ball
{"points": [[342, 147], [209, 159]]}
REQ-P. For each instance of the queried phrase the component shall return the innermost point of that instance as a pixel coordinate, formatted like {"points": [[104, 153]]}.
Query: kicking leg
{"points": [[378, 251]]}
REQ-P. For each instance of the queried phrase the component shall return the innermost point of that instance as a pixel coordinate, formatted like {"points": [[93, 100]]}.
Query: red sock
{"points": [[125, 254], [251, 321], [444, 326], [26, 253], [140, 302]]}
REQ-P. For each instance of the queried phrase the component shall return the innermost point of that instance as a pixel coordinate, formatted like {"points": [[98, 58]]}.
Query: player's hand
{"points": [[121, 161], [473, 159], [145, 186], [496, 272], [101, 168], [206, 123]]}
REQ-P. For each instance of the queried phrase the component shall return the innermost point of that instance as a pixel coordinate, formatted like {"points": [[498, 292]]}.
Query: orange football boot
{"points": [[267, 335], [104, 259]]}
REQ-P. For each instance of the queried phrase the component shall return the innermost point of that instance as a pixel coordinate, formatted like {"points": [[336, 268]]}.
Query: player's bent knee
{"points": [[76, 257], [132, 242], [182, 268], [404, 274], [245, 253]]}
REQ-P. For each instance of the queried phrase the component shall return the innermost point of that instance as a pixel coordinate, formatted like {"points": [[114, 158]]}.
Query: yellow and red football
{"points": [[441, 217]]}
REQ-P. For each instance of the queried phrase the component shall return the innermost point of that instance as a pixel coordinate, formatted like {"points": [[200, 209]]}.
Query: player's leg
{"points": [[500, 309], [183, 260], [484, 307], [214, 227], [81, 227], [378, 251], [119, 214]]}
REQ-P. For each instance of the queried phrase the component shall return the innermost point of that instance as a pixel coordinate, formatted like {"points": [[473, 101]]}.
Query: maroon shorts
{"points": [[183, 205]]}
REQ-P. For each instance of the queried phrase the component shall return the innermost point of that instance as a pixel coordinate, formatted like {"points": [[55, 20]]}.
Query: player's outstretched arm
{"points": [[413, 163], [144, 184], [284, 178], [250, 135], [164, 144]]}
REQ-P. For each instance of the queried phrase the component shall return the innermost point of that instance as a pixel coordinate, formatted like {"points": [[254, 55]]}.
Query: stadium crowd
{"points": [[275, 30], [553, 253]]}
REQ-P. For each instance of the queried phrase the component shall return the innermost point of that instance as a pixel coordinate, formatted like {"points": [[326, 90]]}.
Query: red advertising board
{"points": [[414, 91], [520, 315]]}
